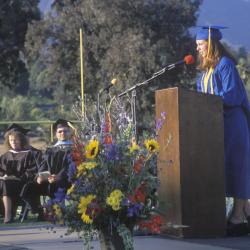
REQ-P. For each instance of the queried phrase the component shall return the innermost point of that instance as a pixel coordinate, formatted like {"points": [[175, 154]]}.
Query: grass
{"points": [[27, 223], [31, 221]]}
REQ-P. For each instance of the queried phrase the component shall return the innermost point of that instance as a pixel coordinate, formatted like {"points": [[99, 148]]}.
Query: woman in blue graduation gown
{"points": [[220, 77]]}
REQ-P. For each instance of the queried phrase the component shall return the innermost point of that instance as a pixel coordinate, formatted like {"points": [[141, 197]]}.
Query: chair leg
{"points": [[25, 211]]}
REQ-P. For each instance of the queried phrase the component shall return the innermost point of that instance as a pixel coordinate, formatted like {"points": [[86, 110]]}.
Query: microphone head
{"points": [[114, 81], [189, 59]]}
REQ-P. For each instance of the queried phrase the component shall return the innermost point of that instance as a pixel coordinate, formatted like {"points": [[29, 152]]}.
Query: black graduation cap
{"points": [[60, 123], [16, 127]]}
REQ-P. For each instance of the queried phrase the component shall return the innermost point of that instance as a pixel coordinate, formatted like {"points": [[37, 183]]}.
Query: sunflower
{"points": [[92, 149], [86, 218], [82, 207], [152, 145]]}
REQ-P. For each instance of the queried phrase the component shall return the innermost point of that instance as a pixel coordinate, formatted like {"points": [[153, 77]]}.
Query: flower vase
{"points": [[111, 241]]}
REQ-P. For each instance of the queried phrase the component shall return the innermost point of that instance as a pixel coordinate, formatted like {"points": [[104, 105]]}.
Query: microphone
{"points": [[113, 82], [189, 59]]}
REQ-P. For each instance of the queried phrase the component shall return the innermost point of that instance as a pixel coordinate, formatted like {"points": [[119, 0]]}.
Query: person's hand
{"points": [[39, 179], [52, 178]]}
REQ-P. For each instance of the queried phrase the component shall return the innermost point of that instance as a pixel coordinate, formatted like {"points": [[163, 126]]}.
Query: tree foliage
{"points": [[14, 18], [124, 39]]}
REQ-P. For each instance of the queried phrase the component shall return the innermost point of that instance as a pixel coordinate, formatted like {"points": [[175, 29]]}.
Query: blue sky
{"points": [[234, 14]]}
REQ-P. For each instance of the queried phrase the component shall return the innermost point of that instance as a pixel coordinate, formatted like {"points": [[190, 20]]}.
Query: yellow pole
{"points": [[51, 133], [82, 81]]}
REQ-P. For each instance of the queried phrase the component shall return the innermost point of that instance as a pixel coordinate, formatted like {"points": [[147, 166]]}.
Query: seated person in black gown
{"points": [[18, 166], [54, 167]]}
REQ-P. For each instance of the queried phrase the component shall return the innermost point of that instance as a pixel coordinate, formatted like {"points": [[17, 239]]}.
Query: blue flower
{"points": [[72, 169], [160, 121], [112, 152], [134, 210], [59, 195]]}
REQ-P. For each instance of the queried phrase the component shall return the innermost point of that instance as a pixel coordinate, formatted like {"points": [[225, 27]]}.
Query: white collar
{"points": [[16, 152]]}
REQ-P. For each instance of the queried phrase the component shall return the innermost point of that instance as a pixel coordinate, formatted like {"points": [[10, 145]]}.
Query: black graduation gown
{"points": [[55, 160], [23, 165]]}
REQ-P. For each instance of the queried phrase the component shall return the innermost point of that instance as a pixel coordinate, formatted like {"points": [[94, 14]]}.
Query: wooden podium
{"points": [[191, 163]]}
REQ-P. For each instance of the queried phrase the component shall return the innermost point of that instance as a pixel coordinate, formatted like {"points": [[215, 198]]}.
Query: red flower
{"points": [[157, 219], [107, 139], [138, 164], [132, 198], [153, 225], [107, 128], [139, 195]]}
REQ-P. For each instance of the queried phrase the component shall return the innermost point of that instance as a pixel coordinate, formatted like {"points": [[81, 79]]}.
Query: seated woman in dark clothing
{"points": [[18, 166], [54, 167]]}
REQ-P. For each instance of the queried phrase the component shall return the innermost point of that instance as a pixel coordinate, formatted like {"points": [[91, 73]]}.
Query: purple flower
{"points": [[160, 121], [72, 169], [59, 195], [112, 152], [49, 203], [134, 209]]}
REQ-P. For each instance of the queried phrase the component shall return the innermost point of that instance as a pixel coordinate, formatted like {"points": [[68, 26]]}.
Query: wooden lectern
{"points": [[191, 163]]}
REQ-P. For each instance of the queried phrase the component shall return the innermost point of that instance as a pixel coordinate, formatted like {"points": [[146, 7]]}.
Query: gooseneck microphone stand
{"points": [[138, 85]]}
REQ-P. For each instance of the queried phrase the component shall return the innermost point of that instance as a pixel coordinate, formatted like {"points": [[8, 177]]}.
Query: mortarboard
{"points": [[60, 123], [212, 32], [16, 127]]}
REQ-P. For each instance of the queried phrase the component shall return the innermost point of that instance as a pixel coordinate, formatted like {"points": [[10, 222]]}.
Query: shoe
{"points": [[235, 230], [8, 221]]}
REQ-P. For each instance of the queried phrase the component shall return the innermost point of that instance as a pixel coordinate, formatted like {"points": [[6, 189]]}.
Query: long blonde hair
{"points": [[217, 50]]}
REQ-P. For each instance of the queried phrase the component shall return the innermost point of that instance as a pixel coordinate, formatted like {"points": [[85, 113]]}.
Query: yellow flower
{"points": [[90, 165], [84, 201], [58, 213], [82, 208], [114, 199], [92, 149], [152, 145], [86, 219], [134, 148], [116, 193], [81, 169], [71, 189], [116, 207]]}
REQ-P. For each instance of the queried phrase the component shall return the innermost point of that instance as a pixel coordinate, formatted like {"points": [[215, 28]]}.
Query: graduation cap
{"points": [[209, 32], [60, 123], [18, 128]]}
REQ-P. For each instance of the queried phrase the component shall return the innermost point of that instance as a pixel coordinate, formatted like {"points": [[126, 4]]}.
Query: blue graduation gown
{"points": [[225, 82]]}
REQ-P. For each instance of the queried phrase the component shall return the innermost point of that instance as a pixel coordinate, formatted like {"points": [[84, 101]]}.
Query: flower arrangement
{"points": [[114, 182]]}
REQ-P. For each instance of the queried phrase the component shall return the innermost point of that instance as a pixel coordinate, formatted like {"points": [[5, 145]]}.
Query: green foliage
{"points": [[125, 39], [15, 16], [27, 108], [244, 68], [17, 108]]}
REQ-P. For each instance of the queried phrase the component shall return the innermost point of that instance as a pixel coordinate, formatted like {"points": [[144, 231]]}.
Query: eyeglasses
{"points": [[62, 131]]}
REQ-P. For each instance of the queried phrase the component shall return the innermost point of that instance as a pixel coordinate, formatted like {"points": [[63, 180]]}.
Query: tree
{"points": [[125, 39], [14, 18]]}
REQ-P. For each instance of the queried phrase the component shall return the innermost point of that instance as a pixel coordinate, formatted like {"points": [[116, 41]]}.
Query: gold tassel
{"points": [[209, 43]]}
